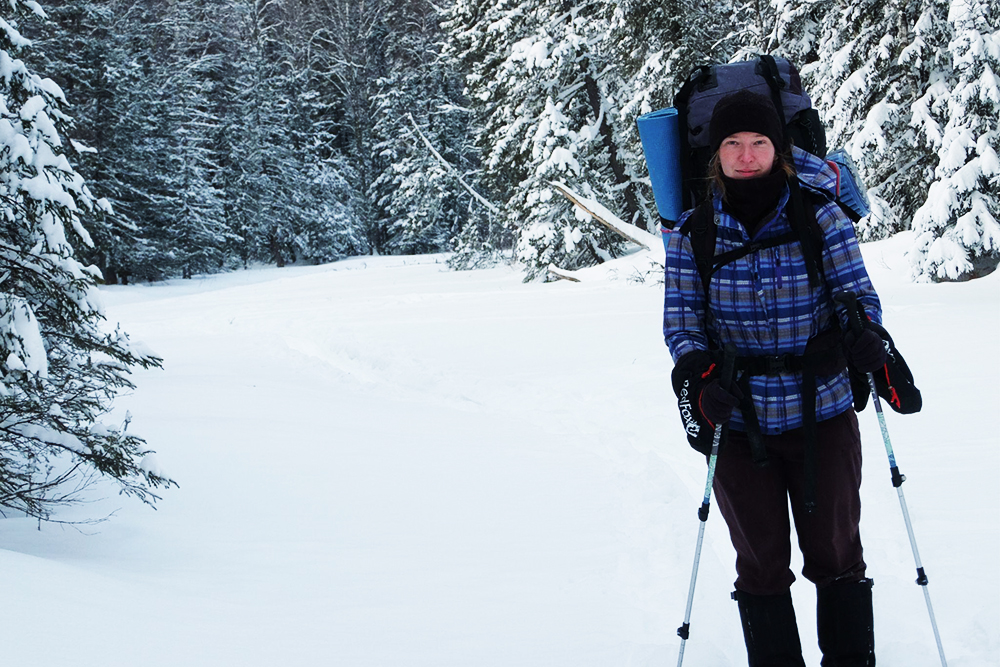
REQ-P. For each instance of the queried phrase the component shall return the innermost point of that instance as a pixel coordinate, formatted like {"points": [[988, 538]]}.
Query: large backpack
{"points": [[695, 102], [777, 78]]}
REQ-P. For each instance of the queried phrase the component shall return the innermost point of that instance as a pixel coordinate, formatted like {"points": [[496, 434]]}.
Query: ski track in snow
{"points": [[383, 462]]}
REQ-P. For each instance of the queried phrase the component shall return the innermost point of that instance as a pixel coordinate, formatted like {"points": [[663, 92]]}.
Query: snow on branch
{"points": [[485, 202], [602, 215]]}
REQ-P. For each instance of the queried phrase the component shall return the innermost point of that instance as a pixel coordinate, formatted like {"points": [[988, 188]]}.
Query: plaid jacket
{"points": [[763, 303]]}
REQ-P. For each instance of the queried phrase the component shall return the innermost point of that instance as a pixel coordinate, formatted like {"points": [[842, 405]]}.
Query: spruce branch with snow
{"points": [[865, 65], [421, 192], [59, 367], [958, 227], [544, 97]]}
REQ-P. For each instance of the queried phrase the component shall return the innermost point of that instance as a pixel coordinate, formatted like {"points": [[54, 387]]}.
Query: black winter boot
{"points": [[770, 631], [845, 624]]}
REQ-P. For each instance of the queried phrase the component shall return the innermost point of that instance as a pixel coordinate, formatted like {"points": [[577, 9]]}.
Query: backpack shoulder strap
{"points": [[802, 217], [814, 200], [700, 229]]}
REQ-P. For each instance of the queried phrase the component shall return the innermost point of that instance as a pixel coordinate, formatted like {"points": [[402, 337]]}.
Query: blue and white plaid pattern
{"points": [[763, 302]]}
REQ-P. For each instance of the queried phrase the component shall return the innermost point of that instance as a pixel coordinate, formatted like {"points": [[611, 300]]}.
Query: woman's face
{"points": [[746, 155]]}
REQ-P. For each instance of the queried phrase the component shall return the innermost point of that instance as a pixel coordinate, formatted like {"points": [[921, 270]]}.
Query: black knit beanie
{"points": [[745, 111]]}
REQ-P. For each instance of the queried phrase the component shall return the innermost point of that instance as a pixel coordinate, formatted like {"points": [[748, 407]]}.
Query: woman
{"points": [[792, 434]]}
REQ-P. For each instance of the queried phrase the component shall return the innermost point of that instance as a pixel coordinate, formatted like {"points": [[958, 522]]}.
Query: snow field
{"points": [[383, 462]]}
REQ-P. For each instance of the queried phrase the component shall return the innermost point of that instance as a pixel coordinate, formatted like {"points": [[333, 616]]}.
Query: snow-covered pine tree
{"points": [[328, 228], [193, 222], [84, 45], [893, 157], [264, 176], [419, 118], [751, 28], [654, 46], [474, 47], [352, 36], [135, 141], [865, 65], [59, 370], [958, 227], [160, 146], [544, 103]]}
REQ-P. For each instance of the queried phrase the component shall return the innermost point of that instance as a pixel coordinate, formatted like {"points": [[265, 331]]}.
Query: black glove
{"points": [[717, 404], [866, 351], [692, 376]]}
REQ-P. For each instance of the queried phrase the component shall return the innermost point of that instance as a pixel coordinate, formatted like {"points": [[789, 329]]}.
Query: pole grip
{"points": [[850, 301]]}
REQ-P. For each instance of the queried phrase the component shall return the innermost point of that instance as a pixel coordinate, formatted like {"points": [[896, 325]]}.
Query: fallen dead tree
{"points": [[601, 214]]}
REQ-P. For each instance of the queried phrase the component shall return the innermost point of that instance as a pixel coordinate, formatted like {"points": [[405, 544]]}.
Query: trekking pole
{"points": [[850, 300], [728, 364]]}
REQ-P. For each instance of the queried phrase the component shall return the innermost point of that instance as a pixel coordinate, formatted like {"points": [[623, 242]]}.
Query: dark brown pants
{"points": [[754, 502]]}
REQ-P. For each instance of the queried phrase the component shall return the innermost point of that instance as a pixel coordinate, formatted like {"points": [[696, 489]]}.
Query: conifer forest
{"points": [[151, 139], [225, 132]]}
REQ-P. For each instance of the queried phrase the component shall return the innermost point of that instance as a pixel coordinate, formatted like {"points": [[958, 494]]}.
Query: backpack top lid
{"points": [[710, 83], [695, 102]]}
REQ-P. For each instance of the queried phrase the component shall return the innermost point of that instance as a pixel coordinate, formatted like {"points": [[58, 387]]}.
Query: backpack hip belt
{"points": [[788, 363]]}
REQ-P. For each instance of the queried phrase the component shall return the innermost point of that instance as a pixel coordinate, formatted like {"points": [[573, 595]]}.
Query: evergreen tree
{"points": [[352, 35], [144, 78], [654, 46], [542, 95], [190, 190], [134, 143], [59, 369], [319, 195], [865, 65], [89, 48], [471, 48], [958, 227], [421, 127], [261, 182], [139, 142]]}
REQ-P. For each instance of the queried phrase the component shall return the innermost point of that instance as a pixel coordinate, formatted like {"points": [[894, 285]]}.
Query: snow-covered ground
{"points": [[386, 463]]}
